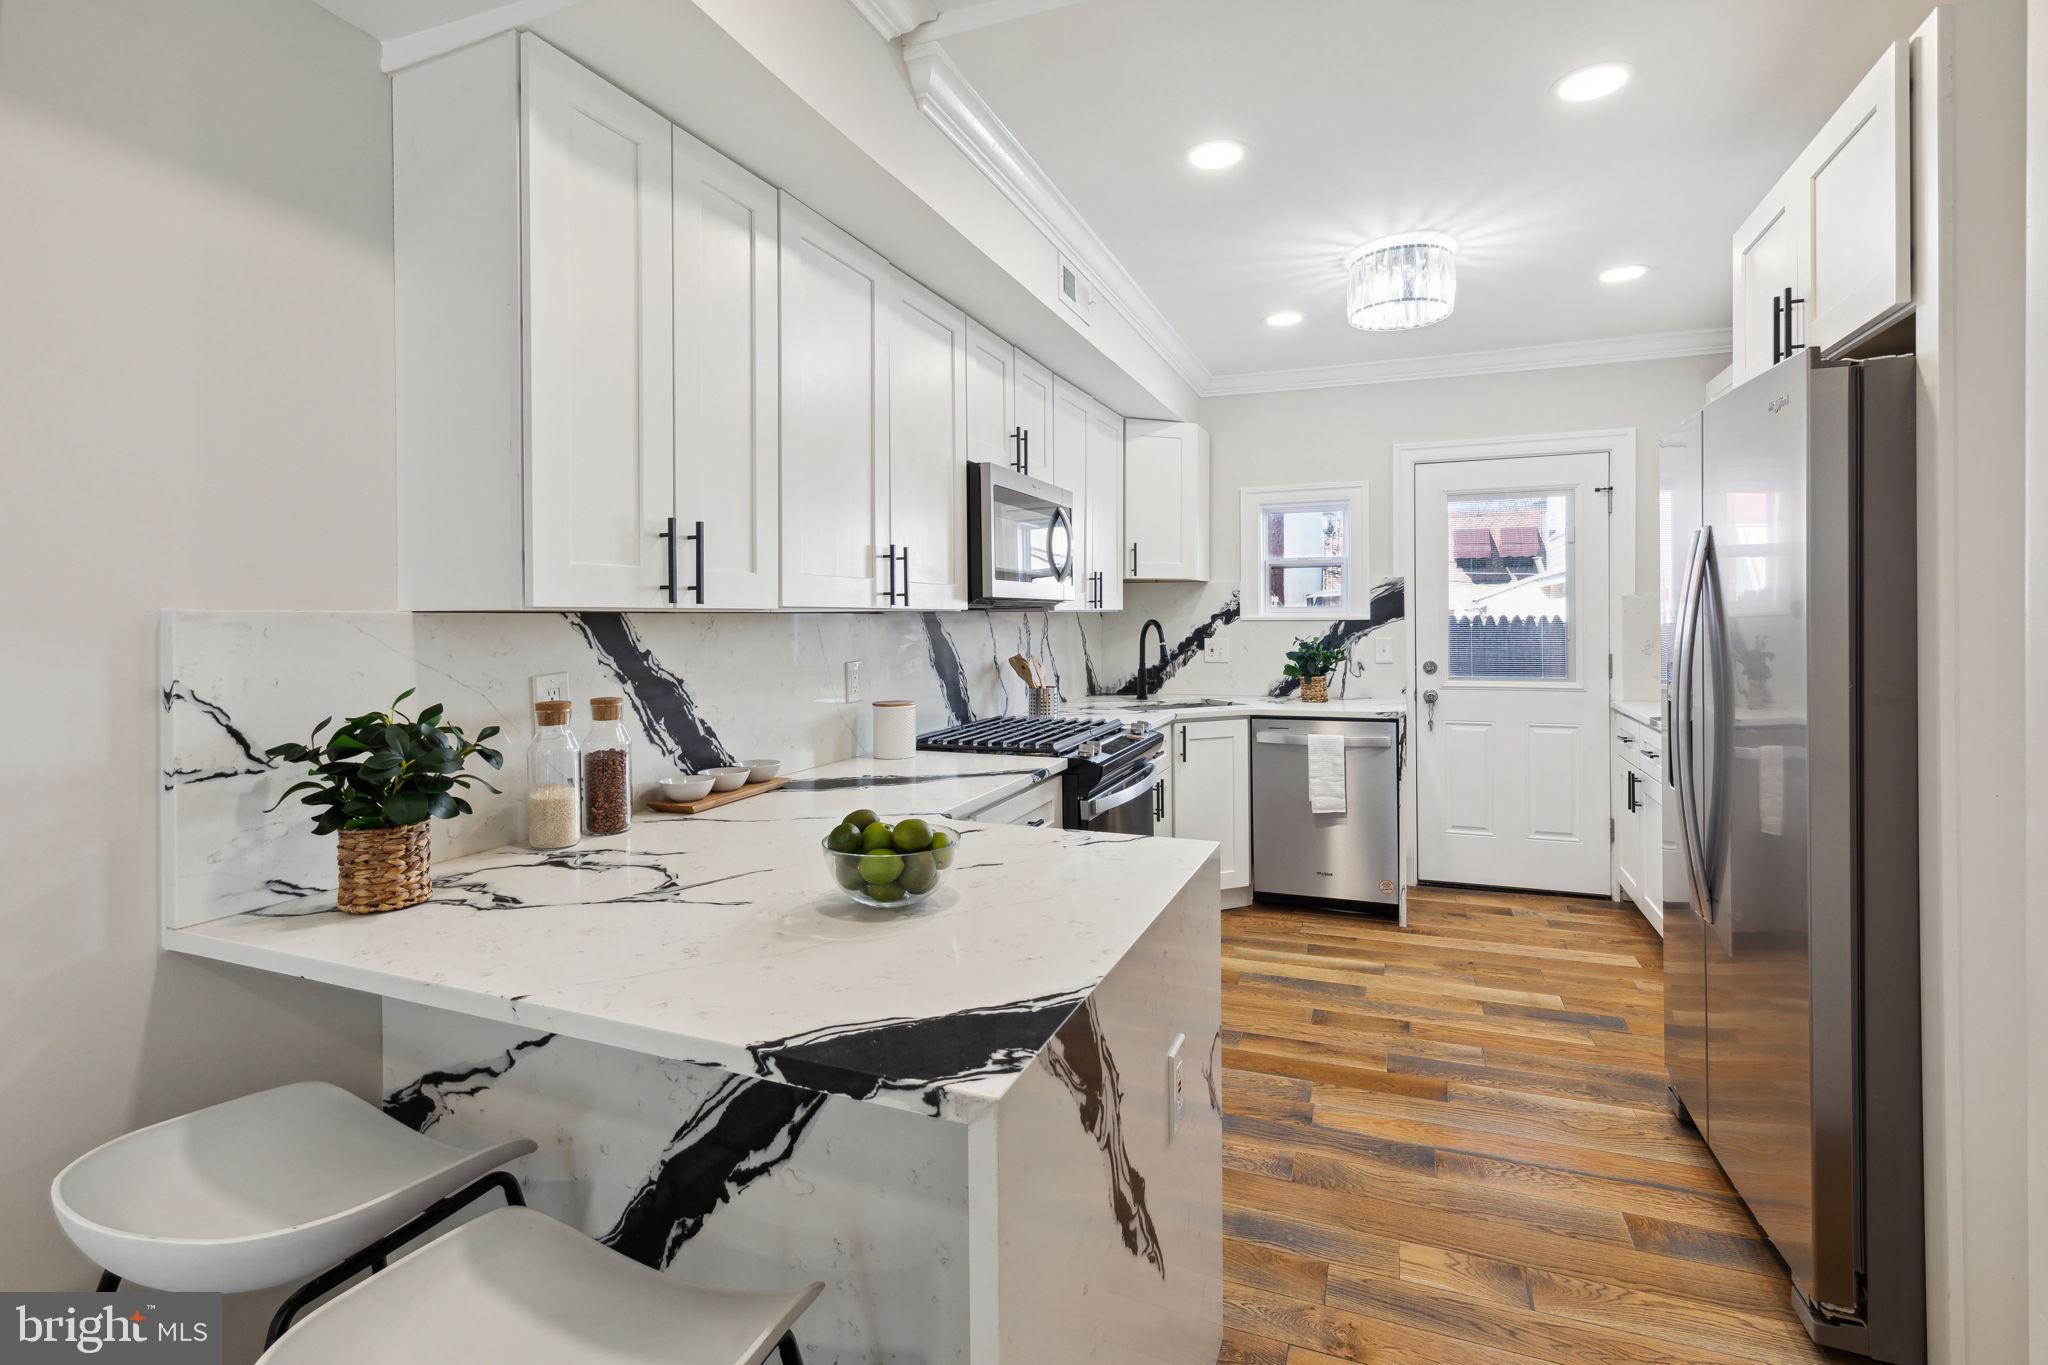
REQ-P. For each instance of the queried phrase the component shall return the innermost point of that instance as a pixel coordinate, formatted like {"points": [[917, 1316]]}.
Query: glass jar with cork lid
{"points": [[607, 770], [554, 773]]}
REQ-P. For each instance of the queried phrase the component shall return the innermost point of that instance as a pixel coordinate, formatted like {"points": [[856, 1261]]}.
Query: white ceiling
{"points": [[1365, 117]]}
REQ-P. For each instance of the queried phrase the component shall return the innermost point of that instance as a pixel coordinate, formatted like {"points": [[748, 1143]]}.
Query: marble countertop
{"points": [[1192, 708], [1650, 713], [719, 939]]}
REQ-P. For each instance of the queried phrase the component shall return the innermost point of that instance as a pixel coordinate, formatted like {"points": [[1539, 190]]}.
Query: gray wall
{"points": [[196, 357]]}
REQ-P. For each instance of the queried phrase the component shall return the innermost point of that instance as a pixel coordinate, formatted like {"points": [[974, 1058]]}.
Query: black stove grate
{"points": [[1050, 737]]}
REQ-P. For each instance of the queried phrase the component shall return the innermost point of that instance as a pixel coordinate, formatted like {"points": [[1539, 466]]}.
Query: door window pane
{"points": [[1510, 586]]}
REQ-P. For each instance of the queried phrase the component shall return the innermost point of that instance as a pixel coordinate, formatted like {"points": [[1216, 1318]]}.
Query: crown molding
{"points": [[1553, 356], [894, 18], [946, 97]]}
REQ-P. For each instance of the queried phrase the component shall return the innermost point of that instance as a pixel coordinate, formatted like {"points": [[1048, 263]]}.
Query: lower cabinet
{"points": [[1638, 805], [1162, 795], [1037, 806], [1212, 791]]}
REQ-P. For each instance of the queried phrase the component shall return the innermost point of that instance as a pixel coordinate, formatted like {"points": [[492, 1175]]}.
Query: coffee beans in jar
{"points": [[607, 770]]}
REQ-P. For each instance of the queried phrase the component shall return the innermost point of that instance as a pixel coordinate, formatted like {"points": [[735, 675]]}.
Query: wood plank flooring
{"points": [[1450, 1144]]}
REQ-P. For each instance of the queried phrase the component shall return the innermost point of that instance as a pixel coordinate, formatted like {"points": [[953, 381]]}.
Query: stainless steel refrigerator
{"points": [[1791, 949]]}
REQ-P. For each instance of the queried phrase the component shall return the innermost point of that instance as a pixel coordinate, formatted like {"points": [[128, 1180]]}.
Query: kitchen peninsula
{"points": [[990, 1125]]}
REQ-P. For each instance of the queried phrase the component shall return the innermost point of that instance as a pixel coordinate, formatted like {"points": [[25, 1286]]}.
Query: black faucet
{"points": [[1143, 690]]}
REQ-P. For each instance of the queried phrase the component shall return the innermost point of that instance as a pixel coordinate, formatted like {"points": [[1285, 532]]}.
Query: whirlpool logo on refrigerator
{"points": [[174, 1329]]}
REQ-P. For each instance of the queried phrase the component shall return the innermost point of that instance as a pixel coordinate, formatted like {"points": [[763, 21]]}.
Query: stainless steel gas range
{"points": [[1112, 782]]}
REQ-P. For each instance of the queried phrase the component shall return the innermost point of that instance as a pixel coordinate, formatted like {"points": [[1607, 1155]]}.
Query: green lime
{"points": [[876, 868], [846, 871], [912, 835], [920, 873], [885, 891], [843, 839], [876, 836], [942, 847], [861, 819]]}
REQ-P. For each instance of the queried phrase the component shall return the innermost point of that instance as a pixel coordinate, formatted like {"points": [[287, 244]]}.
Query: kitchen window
{"points": [[1304, 551]]}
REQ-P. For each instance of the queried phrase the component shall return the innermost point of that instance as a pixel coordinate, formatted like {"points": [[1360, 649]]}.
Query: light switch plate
{"points": [[549, 687], [1176, 1086], [853, 687], [1216, 650]]}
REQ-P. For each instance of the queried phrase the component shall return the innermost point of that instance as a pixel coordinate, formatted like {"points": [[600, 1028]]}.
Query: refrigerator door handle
{"points": [[1681, 749]]}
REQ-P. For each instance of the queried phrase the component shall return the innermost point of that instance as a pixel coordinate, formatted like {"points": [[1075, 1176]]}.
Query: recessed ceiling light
{"points": [[1622, 274], [1286, 319], [1593, 82], [1215, 156]]}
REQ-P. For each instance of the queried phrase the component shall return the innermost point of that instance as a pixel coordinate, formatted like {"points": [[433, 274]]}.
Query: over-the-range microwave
{"points": [[1020, 538]]}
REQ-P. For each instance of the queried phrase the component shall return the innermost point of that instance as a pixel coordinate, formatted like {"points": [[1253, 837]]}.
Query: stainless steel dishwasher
{"points": [[1344, 862]]}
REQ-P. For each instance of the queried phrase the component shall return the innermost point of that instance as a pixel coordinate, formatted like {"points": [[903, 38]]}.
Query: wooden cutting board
{"points": [[716, 799]]}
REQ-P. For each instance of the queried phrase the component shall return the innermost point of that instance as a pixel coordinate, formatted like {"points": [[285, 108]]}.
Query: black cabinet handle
{"points": [[1183, 743], [1134, 559], [1159, 799], [891, 557], [1027, 450], [1790, 344], [906, 575], [1017, 440], [1777, 328], [670, 536], [698, 586], [1632, 793]]}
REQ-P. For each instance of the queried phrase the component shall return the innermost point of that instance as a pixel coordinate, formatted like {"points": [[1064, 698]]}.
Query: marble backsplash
{"points": [[701, 690]]}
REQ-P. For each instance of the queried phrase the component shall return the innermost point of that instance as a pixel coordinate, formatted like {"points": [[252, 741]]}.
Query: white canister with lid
{"points": [[895, 729]]}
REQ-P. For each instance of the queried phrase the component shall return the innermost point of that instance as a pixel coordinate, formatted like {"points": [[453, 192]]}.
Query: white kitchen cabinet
{"points": [[727, 393], [1835, 233], [835, 393], [1638, 816], [1770, 265], [1166, 502], [586, 345], [1037, 806], [1102, 563], [991, 397], [1162, 791], [1856, 182], [926, 475], [1212, 791], [1631, 849], [1031, 412]]}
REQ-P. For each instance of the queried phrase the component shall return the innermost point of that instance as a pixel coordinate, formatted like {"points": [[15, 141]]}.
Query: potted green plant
{"points": [[376, 782], [1313, 662]]}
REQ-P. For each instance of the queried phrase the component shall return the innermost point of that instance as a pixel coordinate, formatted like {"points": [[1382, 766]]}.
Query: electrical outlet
{"points": [[1216, 650], [1176, 1086], [549, 686], [1383, 648], [853, 688]]}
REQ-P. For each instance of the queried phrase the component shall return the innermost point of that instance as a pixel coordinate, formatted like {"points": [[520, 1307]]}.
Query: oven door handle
{"points": [[1133, 788]]}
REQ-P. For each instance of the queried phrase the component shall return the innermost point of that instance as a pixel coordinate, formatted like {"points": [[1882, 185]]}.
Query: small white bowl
{"points": [[726, 779], [688, 788], [761, 769]]}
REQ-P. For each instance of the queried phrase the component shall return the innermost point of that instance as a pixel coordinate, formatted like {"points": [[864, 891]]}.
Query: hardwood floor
{"points": [[1450, 1144]]}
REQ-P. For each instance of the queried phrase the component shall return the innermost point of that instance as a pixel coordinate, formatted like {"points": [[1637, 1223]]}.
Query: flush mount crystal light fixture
{"points": [[1402, 282]]}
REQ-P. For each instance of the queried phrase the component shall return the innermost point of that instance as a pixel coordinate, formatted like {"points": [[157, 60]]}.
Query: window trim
{"points": [[1252, 561]]}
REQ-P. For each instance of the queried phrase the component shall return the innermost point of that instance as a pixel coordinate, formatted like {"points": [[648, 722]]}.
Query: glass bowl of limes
{"points": [[889, 866]]}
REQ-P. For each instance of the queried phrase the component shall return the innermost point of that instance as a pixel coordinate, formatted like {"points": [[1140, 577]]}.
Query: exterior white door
{"points": [[1511, 612], [600, 444]]}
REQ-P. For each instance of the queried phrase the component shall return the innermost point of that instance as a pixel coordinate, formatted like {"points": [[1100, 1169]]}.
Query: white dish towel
{"points": [[1326, 774]]}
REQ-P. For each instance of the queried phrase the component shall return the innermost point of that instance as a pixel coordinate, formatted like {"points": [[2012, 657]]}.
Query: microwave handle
{"points": [[1061, 571]]}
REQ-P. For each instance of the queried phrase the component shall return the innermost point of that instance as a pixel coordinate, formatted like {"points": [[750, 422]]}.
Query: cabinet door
{"points": [[991, 397], [600, 373], [927, 468], [1770, 257], [1650, 878], [1068, 467], [1857, 182], [1166, 503], [1628, 819], [1212, 792], [834, 415], [1162, 793], [1102, 573], [1031, 413], [727, 362], [1039, 807]]}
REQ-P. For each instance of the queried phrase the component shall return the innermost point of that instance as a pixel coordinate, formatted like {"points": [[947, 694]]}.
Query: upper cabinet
{"points": [[991, 398], [927, 473], [1103, 560], [1031, 404], [1826, 260], [835, 418], [1166, 502]]}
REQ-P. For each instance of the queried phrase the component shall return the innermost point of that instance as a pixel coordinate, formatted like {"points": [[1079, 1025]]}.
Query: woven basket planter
{"points": [[384, 869], [1316, 689]]}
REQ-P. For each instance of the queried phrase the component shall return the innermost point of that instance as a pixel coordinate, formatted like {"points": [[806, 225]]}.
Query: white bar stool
{"points": [[515, 1287], [272, 1188]]}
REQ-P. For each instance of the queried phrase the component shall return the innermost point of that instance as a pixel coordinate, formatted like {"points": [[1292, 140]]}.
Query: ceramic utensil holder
{"points": [[895, 729]]}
